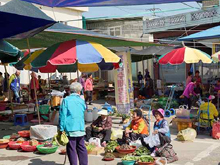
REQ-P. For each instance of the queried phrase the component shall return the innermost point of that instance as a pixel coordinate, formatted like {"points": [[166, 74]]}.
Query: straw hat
{"points": [[103, 112]]}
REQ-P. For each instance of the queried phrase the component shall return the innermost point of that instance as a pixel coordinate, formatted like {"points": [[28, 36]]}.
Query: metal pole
{"points": [[9, 93]]}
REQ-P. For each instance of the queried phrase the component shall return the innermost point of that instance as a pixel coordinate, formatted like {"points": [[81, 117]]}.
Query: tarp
{"points": [[60, 33], [206, 34], [21, 20], [92, 3]]}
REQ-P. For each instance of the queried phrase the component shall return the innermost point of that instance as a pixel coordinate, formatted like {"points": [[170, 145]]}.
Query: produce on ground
{"points": [[20, 140], [4, 140], [90, 147], [129, 158], [146, 159], [33, 142], [142, 151], [125, 147], [109, 156], [48, 144], [111, 146]]}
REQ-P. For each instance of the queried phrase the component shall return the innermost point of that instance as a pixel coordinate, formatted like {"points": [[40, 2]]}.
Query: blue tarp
{"points": [[206, 34], [93, 3], [22, 20]]}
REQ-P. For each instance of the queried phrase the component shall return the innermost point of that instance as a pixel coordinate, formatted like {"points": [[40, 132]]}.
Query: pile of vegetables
{"points": [[90, 147], [130, 158], [111, 146], [109, 156], [125, 147], [146, 159], [142, 151]]}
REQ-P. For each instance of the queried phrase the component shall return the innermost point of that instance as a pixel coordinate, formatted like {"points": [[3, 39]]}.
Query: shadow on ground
{"points": [[41, 162]]}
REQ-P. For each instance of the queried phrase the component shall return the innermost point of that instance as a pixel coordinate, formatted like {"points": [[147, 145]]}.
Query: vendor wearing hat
{"points": [[101, 127]]}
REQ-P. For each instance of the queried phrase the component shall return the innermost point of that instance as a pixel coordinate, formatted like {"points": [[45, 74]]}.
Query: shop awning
{"points": [[92, 3], [60, 33], [205, 34]]}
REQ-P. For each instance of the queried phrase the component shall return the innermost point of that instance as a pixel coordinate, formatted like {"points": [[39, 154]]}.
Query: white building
{"points": [[71, 16]]}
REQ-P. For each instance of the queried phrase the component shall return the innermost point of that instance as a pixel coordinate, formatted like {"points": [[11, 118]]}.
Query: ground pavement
{"points": [[203, 151]]}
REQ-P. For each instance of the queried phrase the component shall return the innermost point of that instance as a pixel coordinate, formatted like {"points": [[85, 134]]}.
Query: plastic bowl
{"points": [[126, 151], [14, 146], [28, 148], [24, 134], [4, 143], [47, 150], [146, 163], [128, 162]]}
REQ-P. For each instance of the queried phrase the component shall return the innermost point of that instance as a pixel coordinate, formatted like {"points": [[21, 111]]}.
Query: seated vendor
{"points": [[137, 128], [100, 128], [204, 118], [161, 128]]}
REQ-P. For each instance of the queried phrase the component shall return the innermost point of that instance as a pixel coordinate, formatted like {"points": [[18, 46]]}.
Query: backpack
{"points": [[167, 152]]}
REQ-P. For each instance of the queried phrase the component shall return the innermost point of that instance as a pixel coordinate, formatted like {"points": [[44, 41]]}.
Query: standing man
{"points": [[140, 78], [1, 84], [14, 83], [146, 74]]}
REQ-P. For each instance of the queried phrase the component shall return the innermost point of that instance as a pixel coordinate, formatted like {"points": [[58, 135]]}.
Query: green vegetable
{"points": [[146, 159], [142, 151], [129, 158], [90, 147], [111, 146]]}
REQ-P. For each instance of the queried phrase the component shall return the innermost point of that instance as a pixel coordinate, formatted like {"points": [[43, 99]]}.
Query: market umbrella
{"points": [[75, 54], [184, 54], [8, 52], [93, 3], [216, 57], [22, 20]]}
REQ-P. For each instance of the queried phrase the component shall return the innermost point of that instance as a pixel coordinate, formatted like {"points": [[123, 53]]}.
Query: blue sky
{"points": [[142, 10]]}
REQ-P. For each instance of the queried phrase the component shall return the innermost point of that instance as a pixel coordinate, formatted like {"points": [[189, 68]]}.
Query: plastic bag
{"points": [[188, 134], [136, 143], [57, 93], [61, 139], [216, 130], [95, 141], [43, 132], [116, 134], [152, 140]]}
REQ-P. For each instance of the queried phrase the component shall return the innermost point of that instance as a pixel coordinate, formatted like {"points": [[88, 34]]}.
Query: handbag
{"points": [[61, 138]]}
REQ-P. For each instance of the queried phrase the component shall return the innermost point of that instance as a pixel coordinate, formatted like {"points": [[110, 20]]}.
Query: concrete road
{"points": [[203, 151]]}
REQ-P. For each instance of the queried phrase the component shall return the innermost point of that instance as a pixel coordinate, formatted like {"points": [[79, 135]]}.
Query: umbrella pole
{"points": [[9, 93], [35, 93], [77, 74]]}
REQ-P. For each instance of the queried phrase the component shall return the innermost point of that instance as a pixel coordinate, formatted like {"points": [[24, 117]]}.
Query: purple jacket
{"points": [[217, 88], [189, 90]]}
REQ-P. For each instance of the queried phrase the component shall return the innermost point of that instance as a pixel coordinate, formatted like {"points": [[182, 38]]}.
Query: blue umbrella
{"points": [[22, 20]]}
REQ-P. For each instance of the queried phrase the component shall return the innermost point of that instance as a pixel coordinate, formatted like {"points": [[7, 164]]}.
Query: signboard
{"points": [[121, 86]]}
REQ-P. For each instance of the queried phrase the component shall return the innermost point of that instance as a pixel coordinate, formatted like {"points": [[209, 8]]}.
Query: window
{"points": [[115, 31]]}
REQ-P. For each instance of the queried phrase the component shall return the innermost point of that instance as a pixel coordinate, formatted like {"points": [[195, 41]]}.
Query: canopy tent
{"points": [[92, 3], [60, 33], [205, 34], [21, 20]]}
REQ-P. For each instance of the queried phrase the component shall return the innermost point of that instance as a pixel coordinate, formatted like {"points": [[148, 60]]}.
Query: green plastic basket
{"points": [[7, 137], [47, 150], [44, 109]]}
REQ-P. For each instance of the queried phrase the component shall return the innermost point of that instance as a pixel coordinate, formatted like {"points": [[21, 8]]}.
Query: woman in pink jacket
{"points": [[89, 88]]}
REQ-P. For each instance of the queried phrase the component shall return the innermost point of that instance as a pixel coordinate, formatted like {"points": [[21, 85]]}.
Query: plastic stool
{"points": [[22, 117]]}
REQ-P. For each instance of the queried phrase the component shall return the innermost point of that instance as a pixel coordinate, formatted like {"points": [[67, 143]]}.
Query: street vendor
{"points": [[217, 86], [198, 89], [189, 78], [188, 92], [34, 84], [14, 83], [161, 128], [137, 128], [100, 128], [204, 118]]}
